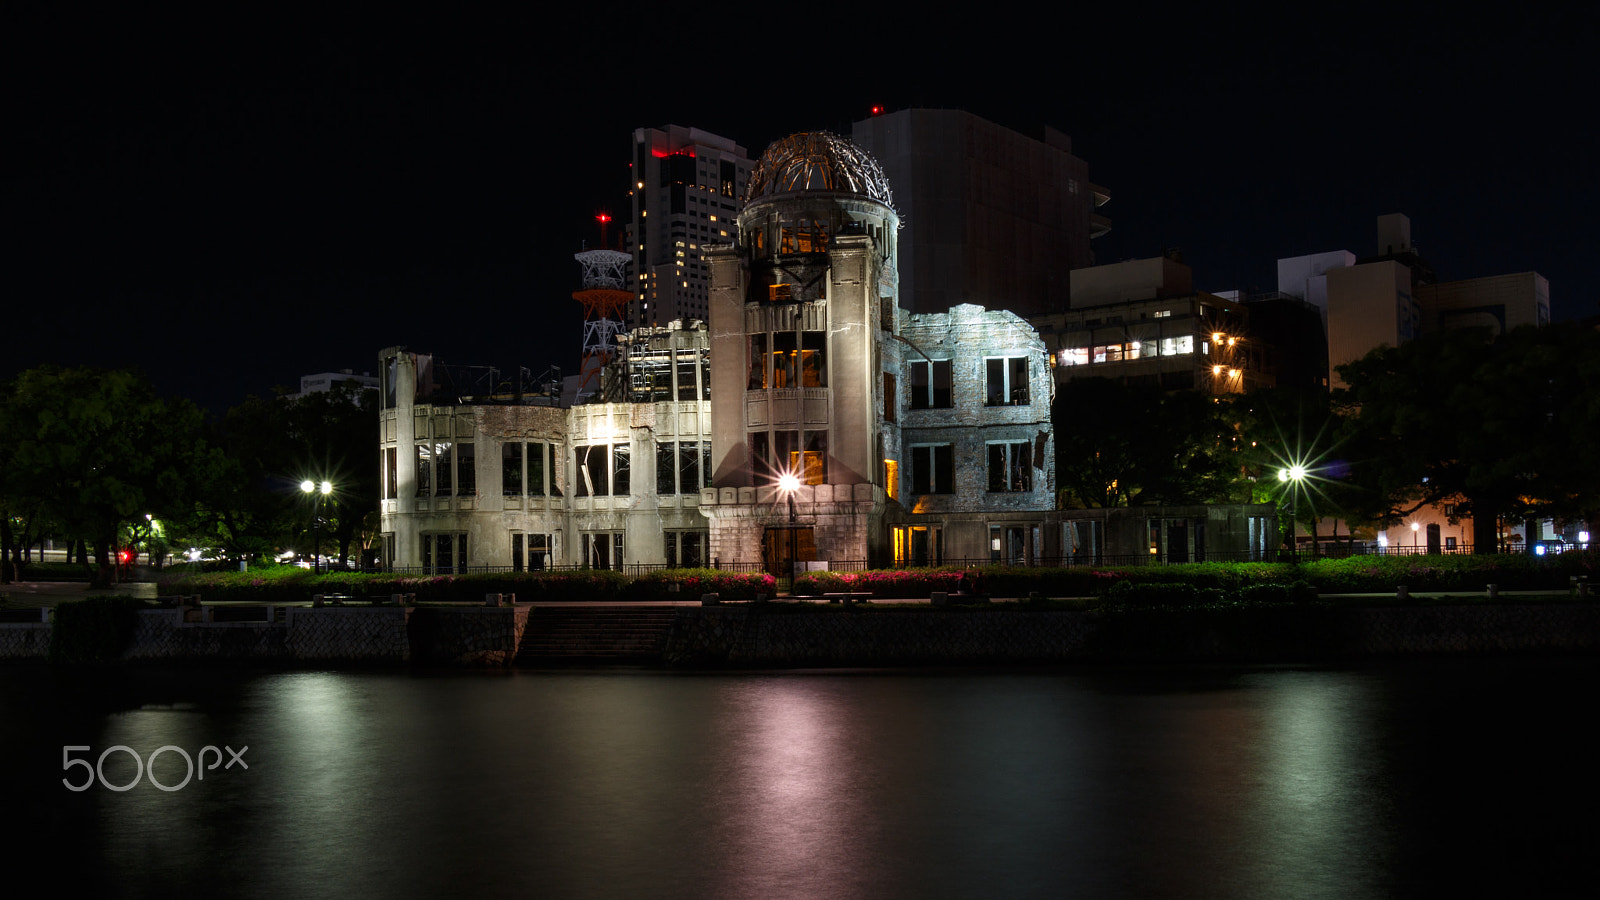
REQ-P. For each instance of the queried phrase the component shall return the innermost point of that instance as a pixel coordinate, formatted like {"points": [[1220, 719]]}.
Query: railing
{"points": [[1323, 551]]}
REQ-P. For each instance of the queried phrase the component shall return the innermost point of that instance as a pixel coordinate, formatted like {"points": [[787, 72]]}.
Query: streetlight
{"points": [[788, 483], [317, 491], [1296, 474], [1415, 526]]}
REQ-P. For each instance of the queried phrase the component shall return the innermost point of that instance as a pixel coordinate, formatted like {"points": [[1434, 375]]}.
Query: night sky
{"points": [[231, 204]]}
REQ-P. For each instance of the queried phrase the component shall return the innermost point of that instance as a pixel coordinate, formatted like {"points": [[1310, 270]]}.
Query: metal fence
{"points": [[1322, 551]]}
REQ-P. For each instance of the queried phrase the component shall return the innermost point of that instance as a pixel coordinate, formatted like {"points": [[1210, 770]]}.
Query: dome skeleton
{"points": [[817, 161]]}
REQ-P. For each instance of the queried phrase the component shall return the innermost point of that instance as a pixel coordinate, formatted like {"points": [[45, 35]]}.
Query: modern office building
{"points": [[1142, 322], [686, 187], [990, 216]]}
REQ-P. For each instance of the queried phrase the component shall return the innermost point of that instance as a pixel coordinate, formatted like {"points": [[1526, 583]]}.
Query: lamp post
{"points": [[1414, 528], [788, 484], [318, 491], [1293, 476]]}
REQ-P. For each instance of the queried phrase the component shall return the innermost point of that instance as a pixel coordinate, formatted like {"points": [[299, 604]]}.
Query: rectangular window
{"points": [[390, 478], [424, 470], [786, 450], [891, 478], [621, 468], [602, 549], [538, 455], [784, 351], [1073, 356], [933, 469], [466, 471], [815, 469], [758, 363], [511, 469], [1010, 467], [686, 369], [813, 359], [603, 470], [705, 464], [666, 468], [443, 460], [761, 468], [1007, 381], [688, 467], [686, 549], [593, 474], [891, 402], [530, 552], [1175, 345], [444, 554], [930, 384], [918, 545]]}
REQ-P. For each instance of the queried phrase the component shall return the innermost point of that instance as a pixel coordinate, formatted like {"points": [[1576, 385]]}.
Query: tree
{"points": [[93, 450], [1506, 424], [253, 504], [1280, 429], [1123, 445]]}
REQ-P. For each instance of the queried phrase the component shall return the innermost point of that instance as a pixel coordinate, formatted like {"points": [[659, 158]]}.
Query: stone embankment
{"points": [[293, 635], [777, 635]]}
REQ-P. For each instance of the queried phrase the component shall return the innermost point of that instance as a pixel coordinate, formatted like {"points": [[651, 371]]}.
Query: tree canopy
{"points": [[1124, 445], [1505, 426]]}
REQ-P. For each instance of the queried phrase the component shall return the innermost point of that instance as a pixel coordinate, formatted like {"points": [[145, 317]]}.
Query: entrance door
{"points": [[784, 545]]}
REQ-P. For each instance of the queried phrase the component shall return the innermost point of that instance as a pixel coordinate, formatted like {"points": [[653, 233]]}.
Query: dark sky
{"points": [[233, 203]]}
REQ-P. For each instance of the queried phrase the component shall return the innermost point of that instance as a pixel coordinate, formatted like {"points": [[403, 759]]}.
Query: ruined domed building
{"points": [[815, 420], [899, 437]]}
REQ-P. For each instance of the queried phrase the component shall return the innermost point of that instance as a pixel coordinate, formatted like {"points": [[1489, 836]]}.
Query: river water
{"points": [[1394, 780]]}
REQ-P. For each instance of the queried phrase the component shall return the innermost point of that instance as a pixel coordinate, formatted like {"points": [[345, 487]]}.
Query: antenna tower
{"points": [[604, 297]]}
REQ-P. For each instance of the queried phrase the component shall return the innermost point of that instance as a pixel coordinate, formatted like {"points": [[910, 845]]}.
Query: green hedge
{"points": [[97, 629], [1365, 574]]}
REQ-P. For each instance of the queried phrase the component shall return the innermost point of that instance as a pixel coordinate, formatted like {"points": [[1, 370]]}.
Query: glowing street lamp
{"points": [[1295, 474], [1415, 526], [788, 483], [314, 489]]}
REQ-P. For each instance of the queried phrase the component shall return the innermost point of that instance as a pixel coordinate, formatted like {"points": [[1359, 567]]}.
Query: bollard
{"points": [[397, 599], [939, 598], [491, 599], [1402, 593], [272, 614], [1494, 592], [316, 601]]}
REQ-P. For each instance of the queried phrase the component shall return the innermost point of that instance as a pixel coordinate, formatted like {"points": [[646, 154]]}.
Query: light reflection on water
{"points": [[1169, 782]]}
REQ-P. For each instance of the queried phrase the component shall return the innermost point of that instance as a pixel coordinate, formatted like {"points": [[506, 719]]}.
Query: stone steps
{"points": [[595, 633]]}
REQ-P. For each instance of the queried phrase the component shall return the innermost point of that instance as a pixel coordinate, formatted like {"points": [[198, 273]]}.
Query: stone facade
{"points": [[495, 481]]}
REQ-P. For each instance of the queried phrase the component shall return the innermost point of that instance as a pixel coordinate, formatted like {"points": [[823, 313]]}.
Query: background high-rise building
{"points": [[990, 216], [686, 189]]}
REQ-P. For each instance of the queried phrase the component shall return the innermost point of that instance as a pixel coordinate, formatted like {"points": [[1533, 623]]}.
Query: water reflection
{"points": [[1166, 783]]}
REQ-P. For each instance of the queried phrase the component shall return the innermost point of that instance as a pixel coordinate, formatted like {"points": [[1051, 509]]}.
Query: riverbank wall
{"points": [[301, 635], [784, 635], [754, 637]]}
